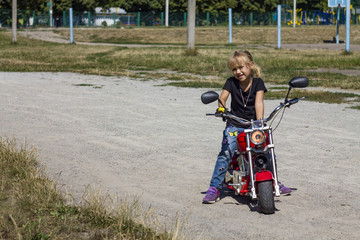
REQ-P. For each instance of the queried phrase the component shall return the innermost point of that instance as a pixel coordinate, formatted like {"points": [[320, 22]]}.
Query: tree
{"points": [[261, 6], [212, 6], [307, 4], [24, 5], [140, 5]]}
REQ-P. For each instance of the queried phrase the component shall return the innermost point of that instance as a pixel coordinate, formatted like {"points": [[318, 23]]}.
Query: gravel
{"points": [[138, 138]]}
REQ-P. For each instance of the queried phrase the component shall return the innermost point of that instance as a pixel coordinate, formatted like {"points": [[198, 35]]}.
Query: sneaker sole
{"points": [[211, 202]]}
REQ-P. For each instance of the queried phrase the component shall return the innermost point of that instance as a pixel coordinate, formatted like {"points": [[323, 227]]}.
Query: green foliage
{"points": [[212, 6], [118, 24], [256, 6]]}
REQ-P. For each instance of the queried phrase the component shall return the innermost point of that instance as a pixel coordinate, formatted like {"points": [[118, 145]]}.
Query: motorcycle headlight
{"points": [[257, 137]]}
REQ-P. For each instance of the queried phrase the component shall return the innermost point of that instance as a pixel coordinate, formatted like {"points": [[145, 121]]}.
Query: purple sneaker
{"points": [[283, 189], [212, 195]]}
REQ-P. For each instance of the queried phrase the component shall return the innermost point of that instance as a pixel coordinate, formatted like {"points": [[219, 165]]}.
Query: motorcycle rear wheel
{"points": [[266, 197]]}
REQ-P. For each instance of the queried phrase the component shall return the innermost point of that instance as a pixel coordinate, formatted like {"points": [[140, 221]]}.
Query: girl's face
{"points": [[242, 71]]}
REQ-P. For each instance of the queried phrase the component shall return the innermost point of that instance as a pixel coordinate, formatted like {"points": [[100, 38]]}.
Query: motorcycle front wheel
{"points": [[266, 197]]}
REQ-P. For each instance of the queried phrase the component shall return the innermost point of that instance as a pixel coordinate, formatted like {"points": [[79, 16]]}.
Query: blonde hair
{"points": [[244, 57]]}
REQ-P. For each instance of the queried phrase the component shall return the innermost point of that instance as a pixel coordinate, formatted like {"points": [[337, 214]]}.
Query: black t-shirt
{"points": [[232, 85]]}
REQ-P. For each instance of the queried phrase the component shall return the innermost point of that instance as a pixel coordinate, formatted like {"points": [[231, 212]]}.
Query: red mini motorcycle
{"points": [[253, 169]]}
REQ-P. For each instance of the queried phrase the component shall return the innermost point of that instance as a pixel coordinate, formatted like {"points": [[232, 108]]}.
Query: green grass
{"points": [[32, 207], [196, 84], [88, 85], [316, 96], [83, 85], [355, 107], [278, 66]]}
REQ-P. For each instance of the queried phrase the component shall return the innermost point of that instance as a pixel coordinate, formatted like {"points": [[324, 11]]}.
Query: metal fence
{"points": [[176, 19]]}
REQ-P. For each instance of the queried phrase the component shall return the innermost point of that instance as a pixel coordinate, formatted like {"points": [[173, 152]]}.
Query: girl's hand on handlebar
{"points": [[220, 110]]}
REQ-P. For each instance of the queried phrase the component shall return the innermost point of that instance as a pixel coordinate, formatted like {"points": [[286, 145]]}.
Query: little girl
{"points": [[247, 101]]}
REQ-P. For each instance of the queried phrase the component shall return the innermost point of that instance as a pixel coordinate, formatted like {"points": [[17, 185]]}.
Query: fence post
{"points": [[337, 25], [34, 18], [353, 18], [251, 19], [347, 27], [185, 19], [230, 25], [264, 18], [162, 18], [71, 26], [64, 18], [314, 19], [279, 25], [138, 19], [89, 19], [207, 18]]}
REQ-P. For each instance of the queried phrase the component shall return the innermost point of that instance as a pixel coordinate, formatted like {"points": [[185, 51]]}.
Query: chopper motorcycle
{"points": [[253, 169]]}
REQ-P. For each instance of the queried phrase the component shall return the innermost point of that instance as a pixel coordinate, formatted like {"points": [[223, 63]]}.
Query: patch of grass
{"points": [[278, 66], [191, 52], [83, 85], [278, 88], [316, 96], [333, 80], [31, 206], [212, 35], [195, 84], [355, 107], [88, 85]]}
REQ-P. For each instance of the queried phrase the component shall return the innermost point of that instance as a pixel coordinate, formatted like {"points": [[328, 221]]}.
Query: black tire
{"points": [[266, 197]]}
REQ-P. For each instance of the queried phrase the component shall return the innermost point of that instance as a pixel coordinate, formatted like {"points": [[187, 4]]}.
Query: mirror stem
{"points": [[287, 95], [221, 103]]}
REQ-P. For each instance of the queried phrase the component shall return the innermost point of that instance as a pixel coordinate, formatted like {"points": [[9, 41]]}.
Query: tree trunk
{"points": [[190, 47], [14, 20]]}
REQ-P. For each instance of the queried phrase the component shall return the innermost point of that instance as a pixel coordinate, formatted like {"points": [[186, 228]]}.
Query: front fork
{"points": [[248, 150], [271, 146]]}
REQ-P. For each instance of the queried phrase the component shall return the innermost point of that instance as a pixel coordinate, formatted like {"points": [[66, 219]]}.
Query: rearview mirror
{"points": [[209, 97], [299, 82]]}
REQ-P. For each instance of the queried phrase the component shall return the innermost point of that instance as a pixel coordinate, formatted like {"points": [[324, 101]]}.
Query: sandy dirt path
{"points": [[138, 138]]}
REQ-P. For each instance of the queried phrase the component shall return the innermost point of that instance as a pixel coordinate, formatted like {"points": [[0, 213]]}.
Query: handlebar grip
{"points": [[214, 114], [293, 101]]}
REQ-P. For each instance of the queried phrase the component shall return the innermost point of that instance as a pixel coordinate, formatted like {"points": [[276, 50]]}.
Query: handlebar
{"points": [[261, 121]]}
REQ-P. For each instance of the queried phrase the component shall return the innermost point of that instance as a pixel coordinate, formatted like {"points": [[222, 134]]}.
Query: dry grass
{"points": [[213, 35], [31, 206]]}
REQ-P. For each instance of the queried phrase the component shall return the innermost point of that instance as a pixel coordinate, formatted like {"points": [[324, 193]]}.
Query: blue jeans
{"points": [[225, 155]]}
